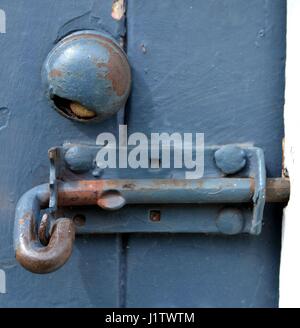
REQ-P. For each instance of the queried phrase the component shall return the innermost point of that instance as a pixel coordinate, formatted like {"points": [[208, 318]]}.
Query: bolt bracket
{"points": [[76, 162]]}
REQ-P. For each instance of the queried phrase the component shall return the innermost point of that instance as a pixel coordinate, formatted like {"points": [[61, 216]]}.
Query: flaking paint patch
{"points": [[4, 117], [118, 9]]}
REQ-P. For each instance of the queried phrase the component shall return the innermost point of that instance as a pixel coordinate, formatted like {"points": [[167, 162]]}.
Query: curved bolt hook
{"points": [[31, 254]]}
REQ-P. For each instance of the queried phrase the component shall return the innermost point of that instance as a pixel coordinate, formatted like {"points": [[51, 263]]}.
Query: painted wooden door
{"points": [[215, 67]]}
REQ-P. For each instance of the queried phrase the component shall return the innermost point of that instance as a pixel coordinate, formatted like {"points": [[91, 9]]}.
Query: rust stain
{"points": [[252, 185], [56, 73], [80, 193], [157, 183], [51, 257], [118, 69], [92, 192], [103, 203], [118, 73], [278, 190], [104, 193], [26, 217]]}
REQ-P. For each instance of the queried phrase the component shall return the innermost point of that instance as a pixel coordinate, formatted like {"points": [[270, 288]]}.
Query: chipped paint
{"points": [[118, 9], [143, 48]]}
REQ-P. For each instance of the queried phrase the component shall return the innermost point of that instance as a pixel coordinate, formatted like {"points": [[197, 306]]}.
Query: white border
{"points": [[290, 253]]}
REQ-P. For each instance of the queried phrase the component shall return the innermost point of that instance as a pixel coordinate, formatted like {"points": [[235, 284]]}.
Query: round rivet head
{"points": [[230, 221], [230, 159], [87, 76], [78, 159]]}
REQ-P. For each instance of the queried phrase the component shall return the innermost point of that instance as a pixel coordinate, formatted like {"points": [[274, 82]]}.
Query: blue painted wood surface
{"points": [[215, 67], [198, 66], [30, 127]]}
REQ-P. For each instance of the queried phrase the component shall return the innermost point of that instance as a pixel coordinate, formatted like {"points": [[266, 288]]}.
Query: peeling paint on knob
{"points": [[230, 159], [87, 76]]}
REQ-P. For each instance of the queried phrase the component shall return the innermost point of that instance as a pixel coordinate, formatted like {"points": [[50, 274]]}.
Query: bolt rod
{"points": [[164, 191]]}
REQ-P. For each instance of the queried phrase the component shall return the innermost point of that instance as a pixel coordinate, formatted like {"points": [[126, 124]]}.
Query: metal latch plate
{"points": [[74, 162]]}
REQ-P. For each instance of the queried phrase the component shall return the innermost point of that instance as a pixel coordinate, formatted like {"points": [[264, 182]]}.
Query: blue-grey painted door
{"points": [[208, 66]]}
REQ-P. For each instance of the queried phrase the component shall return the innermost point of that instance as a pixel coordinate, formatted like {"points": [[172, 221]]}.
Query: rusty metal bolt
{"points": [[87, 76]]}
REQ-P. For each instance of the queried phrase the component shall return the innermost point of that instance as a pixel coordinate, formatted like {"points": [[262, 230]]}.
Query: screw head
{"points": [[79, 220]]}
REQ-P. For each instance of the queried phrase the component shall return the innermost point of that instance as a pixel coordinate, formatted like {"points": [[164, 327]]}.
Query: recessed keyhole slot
{"points": [[155, 215]]}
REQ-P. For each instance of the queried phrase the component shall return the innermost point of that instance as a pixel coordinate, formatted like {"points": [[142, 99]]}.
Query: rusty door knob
{"points": [[87, 76]]}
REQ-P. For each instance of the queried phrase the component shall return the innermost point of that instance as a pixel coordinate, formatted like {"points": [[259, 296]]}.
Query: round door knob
{"points": [[87, 76]]}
